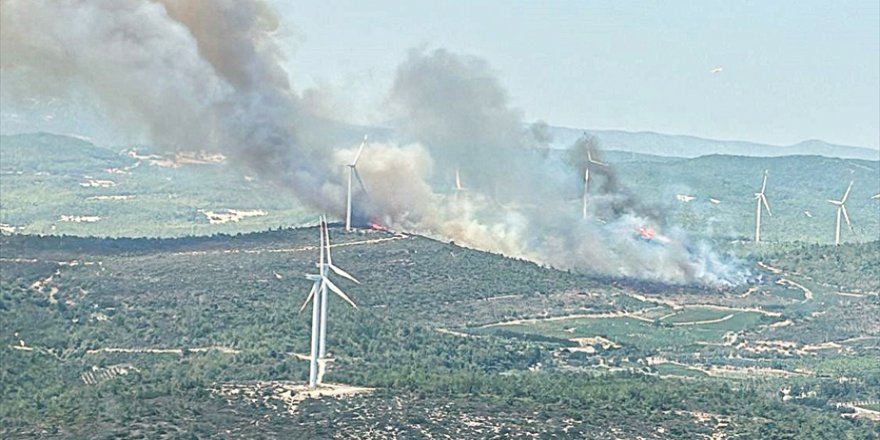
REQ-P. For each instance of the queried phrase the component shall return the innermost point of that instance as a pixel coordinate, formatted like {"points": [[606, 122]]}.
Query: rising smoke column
{"points": [[193, 74], [455, 106], [206, 74], [457, 109]]}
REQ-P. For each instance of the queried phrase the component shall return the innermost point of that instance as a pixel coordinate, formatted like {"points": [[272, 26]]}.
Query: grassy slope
{"points": [[41, 176]]}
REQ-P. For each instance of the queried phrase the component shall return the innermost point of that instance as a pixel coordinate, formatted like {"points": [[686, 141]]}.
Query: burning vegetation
{"points": [[216, 65]]}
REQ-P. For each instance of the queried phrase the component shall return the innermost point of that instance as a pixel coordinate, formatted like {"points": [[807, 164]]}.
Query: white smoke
{"points": [[207, 74]]}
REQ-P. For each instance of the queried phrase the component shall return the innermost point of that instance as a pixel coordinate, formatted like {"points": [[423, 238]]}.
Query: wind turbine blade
{"points": [[764, 184], [591, 160], [846, 217], [360, 181], [360, 150], [586, 174], [309, 298], [339, 292], [327, 239], [846, 194], [321, 247], [766, 205], [342, 273]]}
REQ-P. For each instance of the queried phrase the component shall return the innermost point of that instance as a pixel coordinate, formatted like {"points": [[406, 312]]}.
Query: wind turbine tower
{"points": [[761, 199], [587, 179], [841, 210], [352, 172], [318, 297]]}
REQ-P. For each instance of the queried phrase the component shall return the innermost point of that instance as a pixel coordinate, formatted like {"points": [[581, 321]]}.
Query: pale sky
{"points": [[791, 70]]}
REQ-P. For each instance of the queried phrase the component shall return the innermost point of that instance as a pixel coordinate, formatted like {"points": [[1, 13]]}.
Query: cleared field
{"points": [[678, 371], [836, 366], [639, 333], [696, 315]]}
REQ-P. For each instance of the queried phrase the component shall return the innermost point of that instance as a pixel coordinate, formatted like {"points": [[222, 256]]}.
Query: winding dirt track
{"points": [[619, 314], [287, 250], [179, 351], [808, 294], [707, 321]]}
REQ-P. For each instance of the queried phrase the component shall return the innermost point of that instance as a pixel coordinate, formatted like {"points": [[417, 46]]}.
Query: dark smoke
{"points": [[605, 181], [208, 75]]}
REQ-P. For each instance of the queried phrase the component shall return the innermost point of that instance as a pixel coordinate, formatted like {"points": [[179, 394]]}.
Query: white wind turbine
{"points": [[352, 172], [587, 178], [841, 209], [458, 187], [319, 304], [762, 199]]}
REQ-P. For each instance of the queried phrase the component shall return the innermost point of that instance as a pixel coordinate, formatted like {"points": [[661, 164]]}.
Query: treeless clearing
{"points": [[178, 351], [595, 340], [117, 197], [286, 394], [231, 215], [97, 183], [80, 218]]}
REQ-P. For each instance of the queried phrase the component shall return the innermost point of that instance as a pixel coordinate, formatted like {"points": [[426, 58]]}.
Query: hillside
{"points": [[169, 337], [52, 181], [63, 185], [659, 144]]}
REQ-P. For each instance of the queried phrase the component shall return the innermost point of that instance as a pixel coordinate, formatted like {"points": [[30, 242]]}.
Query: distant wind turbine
{"points": [[587, 179], [762, 199], [841, 210], [458, 187], [318, 297], [352, 172]]}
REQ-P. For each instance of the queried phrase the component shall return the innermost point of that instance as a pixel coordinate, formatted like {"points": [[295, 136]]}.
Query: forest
{"points": [[194, 315]]}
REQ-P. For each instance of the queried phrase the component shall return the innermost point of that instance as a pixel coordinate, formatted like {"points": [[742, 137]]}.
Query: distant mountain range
{"points": [[646, 142]]}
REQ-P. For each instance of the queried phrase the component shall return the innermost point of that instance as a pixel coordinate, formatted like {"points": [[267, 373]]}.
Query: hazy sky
{"points": [[791, 70]]}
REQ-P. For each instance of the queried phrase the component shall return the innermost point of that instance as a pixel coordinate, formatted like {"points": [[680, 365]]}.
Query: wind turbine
{"points": [[327, 283], [841, 209], [352, 172], [762, 199], [318, 296], [317, 286], [458, 187], [587, 178]]}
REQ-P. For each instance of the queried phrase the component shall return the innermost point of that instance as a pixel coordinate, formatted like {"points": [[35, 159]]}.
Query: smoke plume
{"points": [[207, 74]]}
